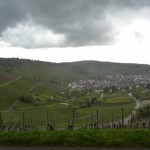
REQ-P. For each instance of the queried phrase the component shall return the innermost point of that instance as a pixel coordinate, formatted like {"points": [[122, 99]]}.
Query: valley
{"points": [[62, 93]]}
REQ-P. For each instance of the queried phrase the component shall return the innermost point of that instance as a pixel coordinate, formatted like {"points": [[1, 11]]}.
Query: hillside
{"points": [[96, 67], [58, 88], [18, 76], [67, 71], [5, 77], [11, 92]]}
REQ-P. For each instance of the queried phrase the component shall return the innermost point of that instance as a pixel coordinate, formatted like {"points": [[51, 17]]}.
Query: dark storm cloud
{"points": [[10, 13], [83, 22]]}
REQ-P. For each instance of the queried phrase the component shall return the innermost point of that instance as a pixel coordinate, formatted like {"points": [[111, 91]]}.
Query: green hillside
{"points": [[44, 86], [96, 67], [6, 77], [68, 71], [10, 93]]}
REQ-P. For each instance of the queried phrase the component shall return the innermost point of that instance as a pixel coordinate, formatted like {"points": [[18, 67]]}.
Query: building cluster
{"points": [[118, 81]]}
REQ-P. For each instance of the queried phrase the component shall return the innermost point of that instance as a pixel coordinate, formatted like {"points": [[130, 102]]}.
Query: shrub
{"points": [[27, 98]]}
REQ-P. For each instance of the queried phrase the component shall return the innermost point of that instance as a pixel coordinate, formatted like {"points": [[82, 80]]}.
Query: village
{"points": [[119, 82]]}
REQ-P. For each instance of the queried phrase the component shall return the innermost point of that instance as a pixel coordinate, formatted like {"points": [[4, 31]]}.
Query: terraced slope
{"points": [[6, 77], [11, 92], [67, 71]]}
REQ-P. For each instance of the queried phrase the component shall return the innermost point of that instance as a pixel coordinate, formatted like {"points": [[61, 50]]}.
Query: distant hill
{"points": [[68, 71], [96, 67]]}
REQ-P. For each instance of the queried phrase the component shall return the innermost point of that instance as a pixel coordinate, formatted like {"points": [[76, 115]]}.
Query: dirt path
{"points": [[94, 113], [11, 107], [7, 83], [34, 87], [10, 81]]}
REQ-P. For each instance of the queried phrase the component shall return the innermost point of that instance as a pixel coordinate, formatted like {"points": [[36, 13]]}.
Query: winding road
{"points": [[127, 119], [137, 105]]}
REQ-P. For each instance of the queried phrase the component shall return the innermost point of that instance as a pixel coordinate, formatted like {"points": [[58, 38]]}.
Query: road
{"points": [[137, 105]]}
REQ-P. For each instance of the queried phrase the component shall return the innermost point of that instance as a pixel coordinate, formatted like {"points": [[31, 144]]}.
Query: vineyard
{"points": [[32, 98], [45, 120]]}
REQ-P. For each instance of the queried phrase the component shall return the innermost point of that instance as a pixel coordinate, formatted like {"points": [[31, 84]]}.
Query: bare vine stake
{"points": [[1, 126], [31, 120], [23, 121], [91, 118], [148, 117], [47, 119], [78, 124], [97, 118], [73, 114], [131, 119], [122, 117], [112, 119]]}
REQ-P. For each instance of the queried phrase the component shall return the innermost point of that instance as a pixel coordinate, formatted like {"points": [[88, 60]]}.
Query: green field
{"points": [[58, 102], [60, 114], [6, 77], [10, 93]]}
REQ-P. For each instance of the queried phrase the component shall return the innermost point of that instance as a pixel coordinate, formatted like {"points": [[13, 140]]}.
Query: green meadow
{"points": [[131, 138]]}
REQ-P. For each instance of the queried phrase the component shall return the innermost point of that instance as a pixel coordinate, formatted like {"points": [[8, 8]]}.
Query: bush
{"points": [[27, 98], [144, 111]]}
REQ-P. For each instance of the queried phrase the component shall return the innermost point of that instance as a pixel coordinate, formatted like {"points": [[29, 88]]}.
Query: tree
{"points": [[144, 111], [148, 85], [94, 100], [27, 98], [88, 103]]}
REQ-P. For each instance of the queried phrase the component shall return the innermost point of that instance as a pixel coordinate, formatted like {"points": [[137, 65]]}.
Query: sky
{"points": [[75, 30]]}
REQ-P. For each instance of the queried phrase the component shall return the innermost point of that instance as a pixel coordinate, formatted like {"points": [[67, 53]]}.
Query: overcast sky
{"points": [[73, 30]]}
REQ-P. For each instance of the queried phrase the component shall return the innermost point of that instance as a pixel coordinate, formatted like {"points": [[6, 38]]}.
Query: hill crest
{"points": [[68, 70]]}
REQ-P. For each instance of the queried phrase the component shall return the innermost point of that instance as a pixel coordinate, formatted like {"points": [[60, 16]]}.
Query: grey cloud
{"points": [[83, 22], [10, 14]]}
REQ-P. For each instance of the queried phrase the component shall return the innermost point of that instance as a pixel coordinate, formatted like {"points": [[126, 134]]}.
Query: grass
{"points": [[48, 88], [11, 92], [92, 137], [104, 114], [5, 77], [107, 108], [39, 114], [45, 71], [60, 113]]}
